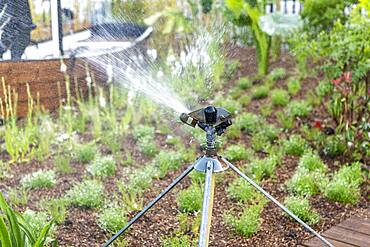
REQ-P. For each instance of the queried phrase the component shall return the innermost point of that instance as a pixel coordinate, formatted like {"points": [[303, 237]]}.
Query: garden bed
{"points": [[80, 227]]}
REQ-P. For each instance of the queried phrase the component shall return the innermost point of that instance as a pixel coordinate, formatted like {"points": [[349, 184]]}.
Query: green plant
{"points": [[324, 88], [299, 108], [248, 14], [166, 161], [295, 145], [85, 152], [279, 97], [140, 180], [277, 74], [237, 152], [244, 83], [37, 221], [294, 85], [334, 146], [18, 196], [63, 164], [306, 183], [262, 168], [142, 131], [190, 199], [112, 218], [176, 241], [270, 131], [249, 221], [266, 109], [241, 190], [88, 193], [248, 122], [285, 120], [55, 207], [312, 162], [236, 93], [300, 206], [260, 141], [16, 232], [39, 179], [102, 166], [344, 186], [260, 92], [245, 100]]}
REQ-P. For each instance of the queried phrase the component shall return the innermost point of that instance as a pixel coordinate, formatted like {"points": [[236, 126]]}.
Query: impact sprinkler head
{"points": [[210, 117]]}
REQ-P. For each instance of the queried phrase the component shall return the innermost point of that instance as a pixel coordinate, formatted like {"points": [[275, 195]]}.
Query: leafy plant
{"points": [[248, 122], [249, 221], [312, 162], [277, 74], [279, 97], [299, 108], [16, 232], [286, 120], [88, 193], [176, 241], [142, 131], [295, 145], [344, 186], [190, 199], [166, 161], [260, 141], [307, 183], [300, 206], [102, 167], [37, 221], [39, 179], [237, 152], [112, 218], [323, 88], [18, 196], [244, 83], [63, 164], [140, 180], [294, 85], [334, 146], [85, 152], [262, 168], [241, 190], [55, 207], [260, 92]]}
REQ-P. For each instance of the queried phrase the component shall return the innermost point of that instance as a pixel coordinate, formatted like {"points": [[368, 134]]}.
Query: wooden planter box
{"points": [[43, 78]]}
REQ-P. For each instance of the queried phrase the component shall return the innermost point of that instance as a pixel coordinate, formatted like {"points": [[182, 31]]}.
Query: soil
{"points": [[80, 227]]}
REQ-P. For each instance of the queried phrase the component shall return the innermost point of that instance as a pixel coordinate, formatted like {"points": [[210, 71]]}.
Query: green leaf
{"points": [[43, 235], [4, 234], [236, 6]]}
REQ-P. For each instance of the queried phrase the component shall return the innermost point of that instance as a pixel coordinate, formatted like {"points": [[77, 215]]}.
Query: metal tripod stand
{"points": [[210, 164]]}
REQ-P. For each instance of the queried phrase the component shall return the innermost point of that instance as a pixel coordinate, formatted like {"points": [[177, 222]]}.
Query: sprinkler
{"points": [[214, 121]]}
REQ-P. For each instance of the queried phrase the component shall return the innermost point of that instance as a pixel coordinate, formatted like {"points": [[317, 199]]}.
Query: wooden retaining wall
{"points": [[43, 77]]}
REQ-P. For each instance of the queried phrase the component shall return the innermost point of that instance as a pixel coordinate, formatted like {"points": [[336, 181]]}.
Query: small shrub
{"points": [[277, 74], [244, 83], [241, 190], [88, 193], [18, 196], [334, 146], [266, 109], [260, 92], [233, 132], [279, 97], [39, 179], [37, 221], [263, 168], [344, 186], [55, 207], [232, 106], [248, 223], [306, 183], [299, 108], [63, 164], [143, 131], [294, 85], [85, 152], [102, 167], [323, 88], [270, 131], [260, 141], [301, 207], [167, 161], [190, 199], [140, 180], [236, 93], [237, 152], [312, 162], [296, 145], [285, 120], [112, 218], [147, 146], [248, 122], [176, 241], [245, 100]]}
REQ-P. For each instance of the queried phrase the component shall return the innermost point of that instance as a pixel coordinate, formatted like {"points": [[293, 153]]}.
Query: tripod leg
{"points": [[209, 188], [151, 204], [271, 198]]}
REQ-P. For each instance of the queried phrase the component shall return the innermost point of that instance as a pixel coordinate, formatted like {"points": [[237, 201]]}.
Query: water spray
{"points": [[214, 121]]}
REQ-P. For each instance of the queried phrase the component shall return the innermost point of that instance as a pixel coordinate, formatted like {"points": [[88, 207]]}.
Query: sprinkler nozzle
{"points": [[186, 119]]}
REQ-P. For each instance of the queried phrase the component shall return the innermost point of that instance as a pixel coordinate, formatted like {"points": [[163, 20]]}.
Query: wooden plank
{"points": [[356, 224], [315, 242], [348, 236]]}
